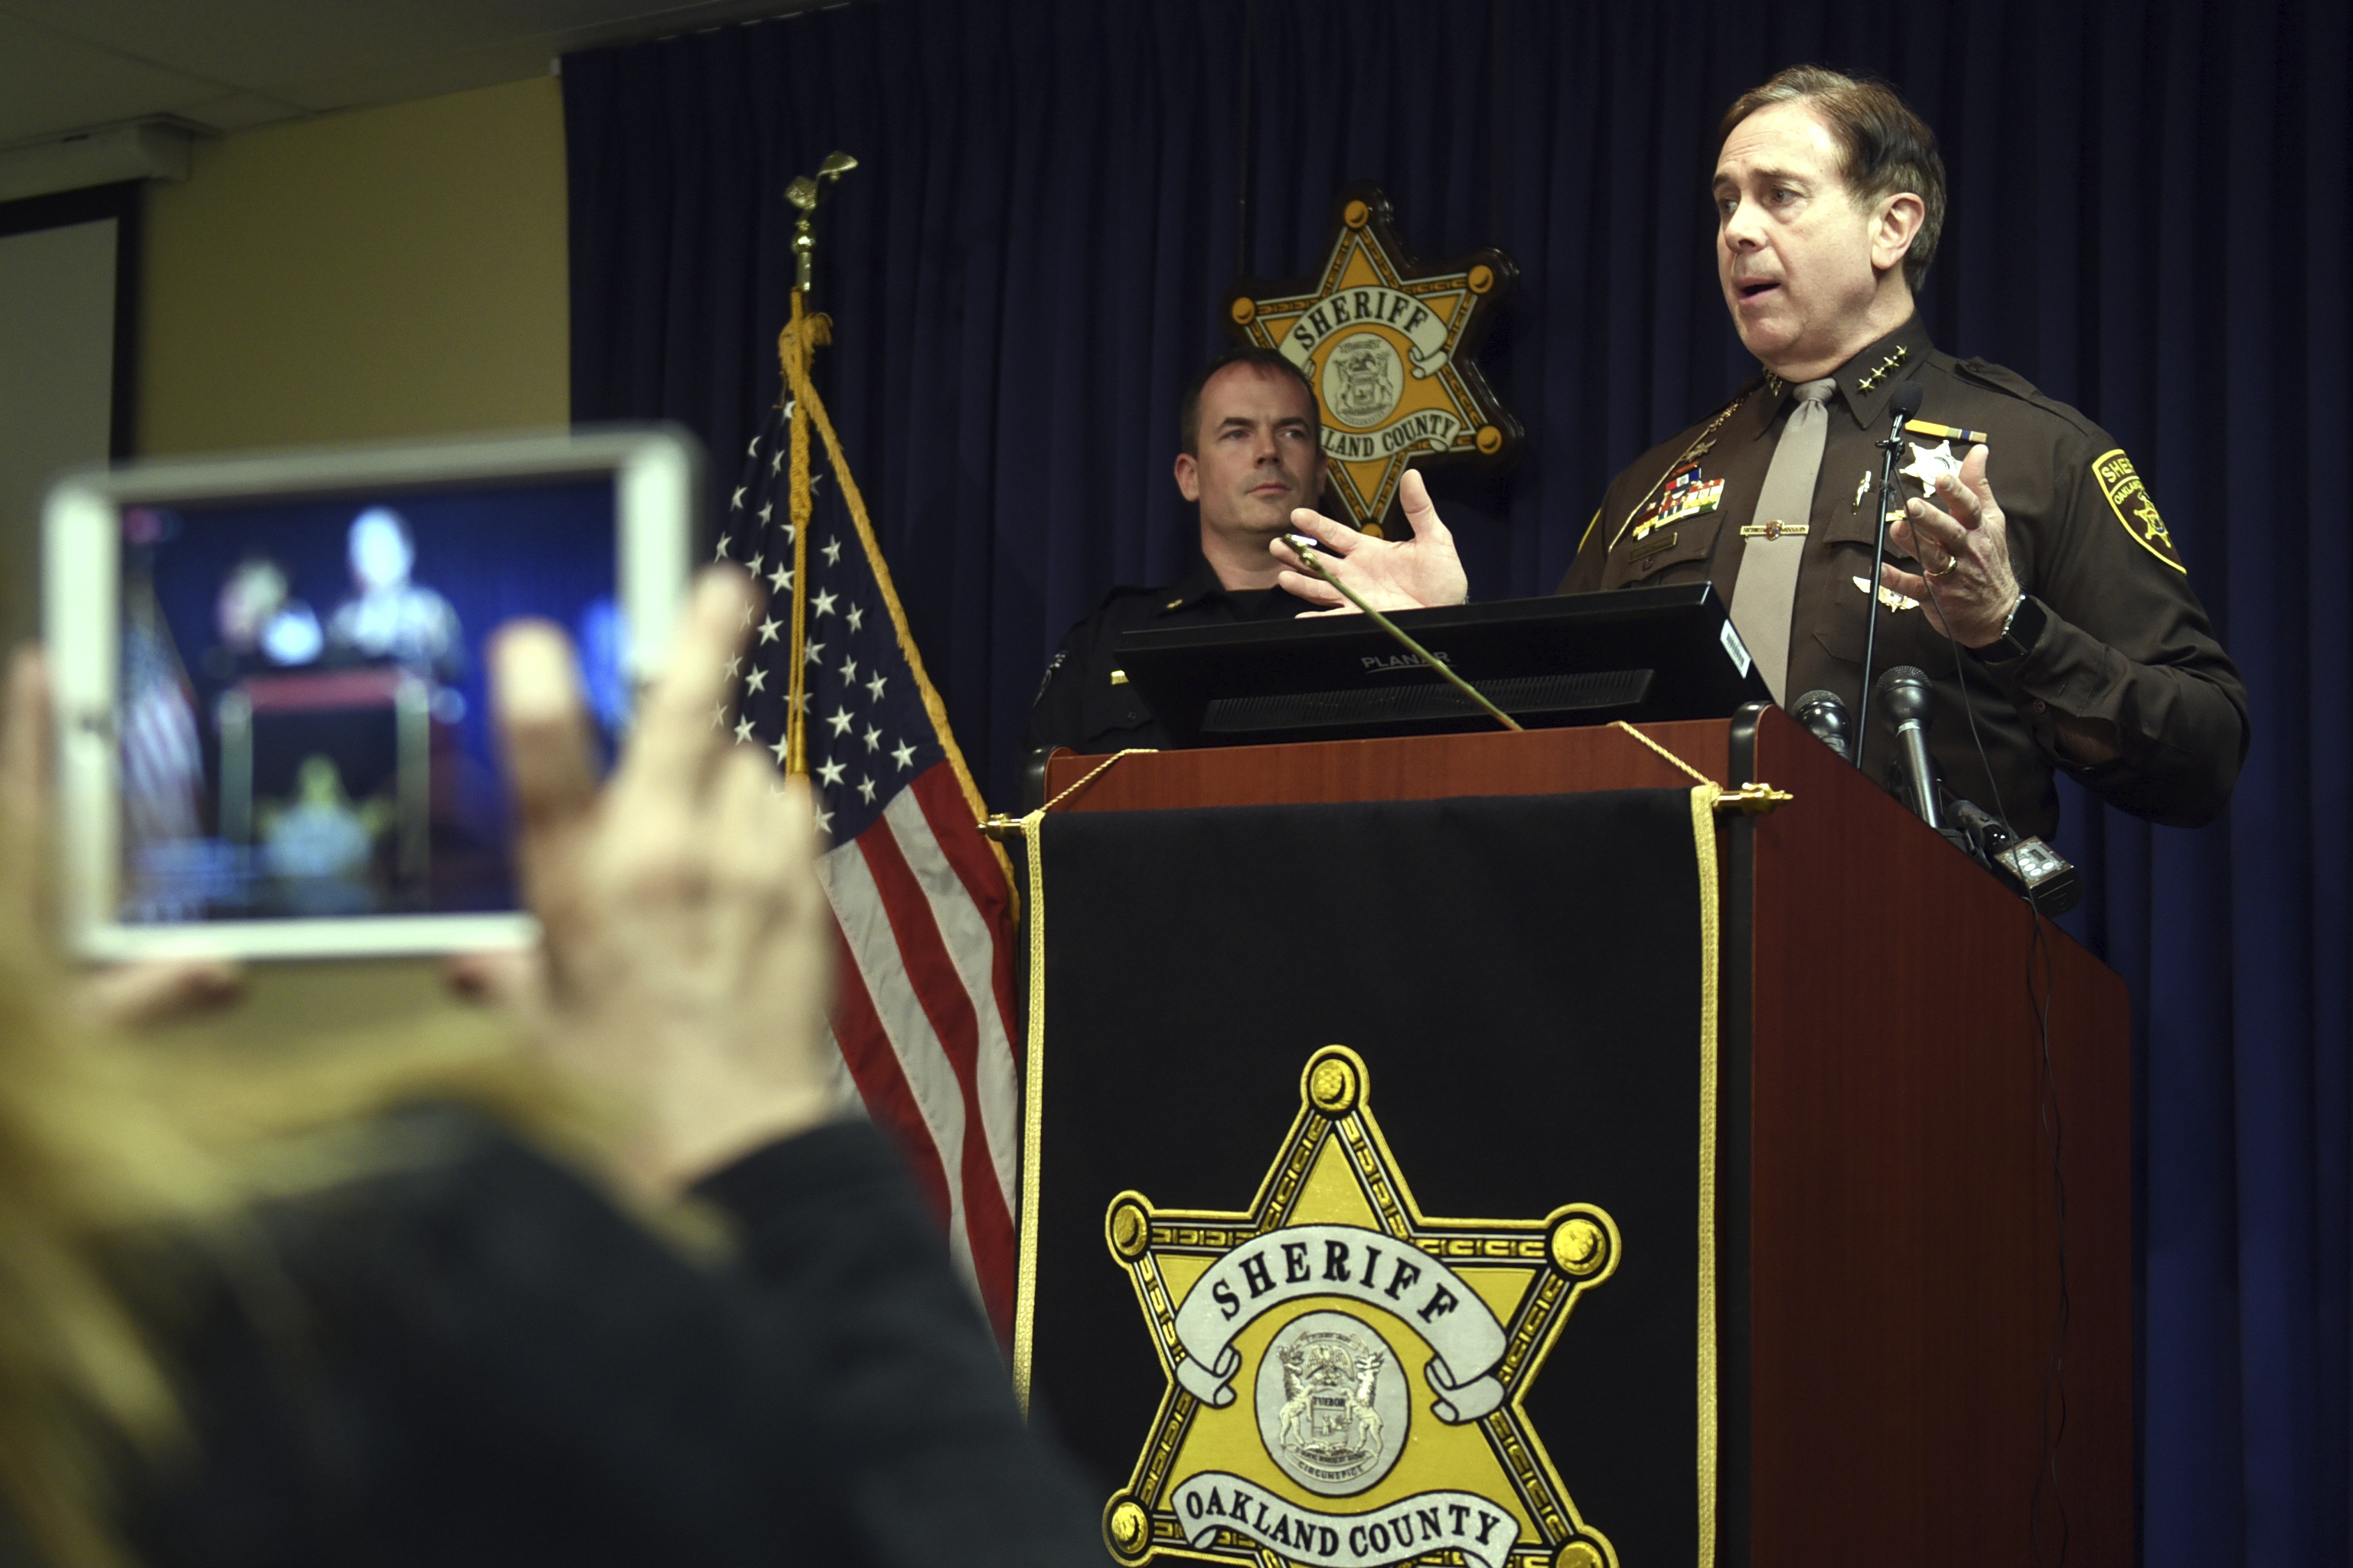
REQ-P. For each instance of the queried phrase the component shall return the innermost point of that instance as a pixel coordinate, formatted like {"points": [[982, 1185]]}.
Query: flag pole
{"points": [[796, 349]]}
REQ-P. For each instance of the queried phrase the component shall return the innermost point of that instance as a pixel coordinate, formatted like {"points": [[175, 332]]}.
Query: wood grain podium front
{"points": [[1891, 1291]]}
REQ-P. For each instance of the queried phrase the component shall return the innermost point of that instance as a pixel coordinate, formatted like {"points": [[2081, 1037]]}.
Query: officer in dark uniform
{"points": [[1249, 435], [2020, 526], [2107, 668]]}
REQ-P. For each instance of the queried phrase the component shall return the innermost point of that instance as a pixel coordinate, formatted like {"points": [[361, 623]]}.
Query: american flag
{"points": [[162, 756], [921, 901]]}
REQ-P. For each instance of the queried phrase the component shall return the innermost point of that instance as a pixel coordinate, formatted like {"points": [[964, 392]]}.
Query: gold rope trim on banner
{"points": [[1033, 1108], [1033, 1075], [1689, 771], [1000, 826], [1095, 772], [1705, 797], [1755, 799], [1033, 1065], [808, 406]]}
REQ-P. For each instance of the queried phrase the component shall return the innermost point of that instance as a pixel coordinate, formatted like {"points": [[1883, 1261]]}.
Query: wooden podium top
{"points": [[1414, 767]]}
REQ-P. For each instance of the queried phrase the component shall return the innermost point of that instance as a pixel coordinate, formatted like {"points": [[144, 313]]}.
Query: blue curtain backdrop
{"points": [[2149, 220]]}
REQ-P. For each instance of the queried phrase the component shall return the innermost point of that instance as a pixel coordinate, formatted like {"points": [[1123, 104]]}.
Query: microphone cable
{"points": [[2040, 978]]}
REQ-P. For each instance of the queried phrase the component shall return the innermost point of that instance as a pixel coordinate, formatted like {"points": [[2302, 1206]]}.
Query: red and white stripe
{"points": [[924, 1015], [163, 764]]}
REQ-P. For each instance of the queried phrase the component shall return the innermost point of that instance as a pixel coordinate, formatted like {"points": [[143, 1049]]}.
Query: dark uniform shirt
{"points": [[2126, 655], [1085, 704]]}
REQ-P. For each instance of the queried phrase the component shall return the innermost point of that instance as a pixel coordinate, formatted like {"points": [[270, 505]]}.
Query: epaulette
{"points": [[2000, 377], [1124, 591]]}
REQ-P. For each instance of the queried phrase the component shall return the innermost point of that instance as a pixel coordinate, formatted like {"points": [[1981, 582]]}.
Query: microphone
{"points": [[2028, 867], [1901, 407], [1825, 715], [1911, 703]]}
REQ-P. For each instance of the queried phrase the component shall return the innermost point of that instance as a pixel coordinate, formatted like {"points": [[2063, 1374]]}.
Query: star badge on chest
{"points": [[1930, 464]]}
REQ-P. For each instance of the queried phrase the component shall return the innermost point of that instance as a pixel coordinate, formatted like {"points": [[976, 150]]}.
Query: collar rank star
{"points": [[1388, 345], [1346, 1376]]}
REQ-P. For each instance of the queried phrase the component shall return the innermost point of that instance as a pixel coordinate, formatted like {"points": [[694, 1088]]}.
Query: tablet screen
{"points": [[302, 708]]}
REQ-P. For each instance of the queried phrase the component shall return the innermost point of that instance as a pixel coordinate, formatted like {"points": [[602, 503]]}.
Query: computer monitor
{"points": [[1637, 654]]}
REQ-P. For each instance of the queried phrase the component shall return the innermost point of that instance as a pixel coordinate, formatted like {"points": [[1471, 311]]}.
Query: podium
{"points": [[1896, 1132]]}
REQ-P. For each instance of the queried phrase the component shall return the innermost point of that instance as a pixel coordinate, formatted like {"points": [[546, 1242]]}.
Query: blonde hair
{"points": [[87, 1158], [108, 1146]]}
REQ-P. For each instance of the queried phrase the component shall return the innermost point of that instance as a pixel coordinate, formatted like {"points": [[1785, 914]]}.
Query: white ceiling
{"points": [[226, 65]]}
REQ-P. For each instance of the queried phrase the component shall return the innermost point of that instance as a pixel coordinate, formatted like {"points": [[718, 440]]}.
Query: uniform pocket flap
{"points": [[1677, 544]]}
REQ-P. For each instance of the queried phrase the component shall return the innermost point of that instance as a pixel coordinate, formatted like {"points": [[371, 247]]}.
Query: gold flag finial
{"points": [[805, 193]]}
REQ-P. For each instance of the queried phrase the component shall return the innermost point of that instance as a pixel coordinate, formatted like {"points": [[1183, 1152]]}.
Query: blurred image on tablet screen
{"points": [[301, 711]]}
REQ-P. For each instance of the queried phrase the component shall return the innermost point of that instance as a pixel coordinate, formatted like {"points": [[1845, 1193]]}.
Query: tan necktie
{"points": [[1764, 596]]}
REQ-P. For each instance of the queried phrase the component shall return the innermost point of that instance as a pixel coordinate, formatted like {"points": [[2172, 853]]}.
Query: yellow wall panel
{"points": [[389, 272]]}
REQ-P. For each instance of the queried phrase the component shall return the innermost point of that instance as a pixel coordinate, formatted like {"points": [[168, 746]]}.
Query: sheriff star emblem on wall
{"points": [[1387, 344], [1345, 1374]]}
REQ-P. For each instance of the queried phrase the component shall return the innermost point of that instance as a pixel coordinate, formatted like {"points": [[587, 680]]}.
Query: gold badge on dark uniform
{"points": [[2128, 497], [1930, 464]]}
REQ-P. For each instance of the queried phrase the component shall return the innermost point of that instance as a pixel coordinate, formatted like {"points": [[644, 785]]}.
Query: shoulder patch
{"points": [[2128, 498]]}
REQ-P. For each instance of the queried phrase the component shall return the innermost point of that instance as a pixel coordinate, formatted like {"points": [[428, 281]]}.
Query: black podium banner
{"points": [[1368, 1192]]}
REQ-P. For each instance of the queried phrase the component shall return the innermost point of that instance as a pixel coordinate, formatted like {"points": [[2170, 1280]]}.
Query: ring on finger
{"points": [[1951, 561]]}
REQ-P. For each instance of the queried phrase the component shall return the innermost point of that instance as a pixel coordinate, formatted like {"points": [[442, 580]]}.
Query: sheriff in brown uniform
{"points": [[2020, 526], [2114, 674]]}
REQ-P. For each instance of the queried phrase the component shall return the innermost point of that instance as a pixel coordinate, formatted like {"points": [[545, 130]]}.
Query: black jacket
{"points": [[1085, 704], [479, 1359]]}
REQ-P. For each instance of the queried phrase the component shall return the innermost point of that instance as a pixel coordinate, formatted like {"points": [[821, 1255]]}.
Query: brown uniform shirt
{"points": [[2128, 657]]}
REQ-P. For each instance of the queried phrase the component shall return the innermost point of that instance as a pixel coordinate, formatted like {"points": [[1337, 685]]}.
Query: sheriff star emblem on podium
{"points": [[1345, 1374], [1387, 344]]}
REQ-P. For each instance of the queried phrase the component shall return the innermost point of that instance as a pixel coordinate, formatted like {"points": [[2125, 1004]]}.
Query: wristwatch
{"points": [[2019, 632]]}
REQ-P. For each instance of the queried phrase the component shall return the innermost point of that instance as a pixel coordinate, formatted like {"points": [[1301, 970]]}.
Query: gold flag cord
{"points": [[802, 335], [796, 347]]}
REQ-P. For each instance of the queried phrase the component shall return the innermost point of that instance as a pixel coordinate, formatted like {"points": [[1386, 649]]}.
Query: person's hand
{"points": [[1389, 574], [120, 996], [683, 968], [1966, 582]]}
